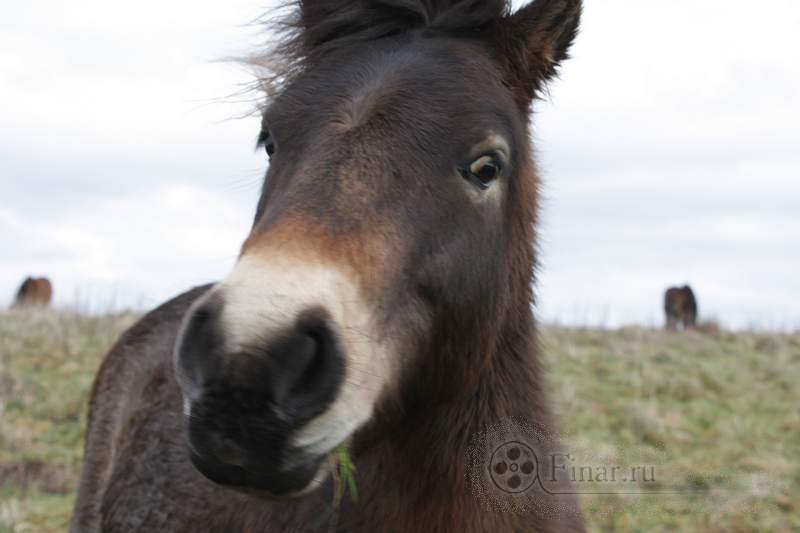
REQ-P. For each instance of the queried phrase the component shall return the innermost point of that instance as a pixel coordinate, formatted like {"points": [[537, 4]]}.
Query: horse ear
{"points": [[540, 35]]}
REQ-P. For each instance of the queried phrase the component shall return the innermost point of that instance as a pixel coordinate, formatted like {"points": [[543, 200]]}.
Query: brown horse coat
{"points": [[381, 301], [34, 292], [680, 307], [137, 477]]}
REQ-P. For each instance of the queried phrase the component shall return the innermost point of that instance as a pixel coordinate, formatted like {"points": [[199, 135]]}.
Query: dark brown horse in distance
{"points": [[680, 307], [382, 300], [34, 292]]}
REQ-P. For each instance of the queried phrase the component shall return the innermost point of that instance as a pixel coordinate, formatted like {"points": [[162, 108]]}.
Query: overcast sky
{"points": [[670, 151]]}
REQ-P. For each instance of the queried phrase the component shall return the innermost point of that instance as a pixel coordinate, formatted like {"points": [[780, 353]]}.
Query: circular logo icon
{"points": [[513, 467]]}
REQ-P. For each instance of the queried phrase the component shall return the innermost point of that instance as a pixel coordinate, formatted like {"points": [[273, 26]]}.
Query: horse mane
{"points": [[309, 29], [24, 287], [326, 23]]}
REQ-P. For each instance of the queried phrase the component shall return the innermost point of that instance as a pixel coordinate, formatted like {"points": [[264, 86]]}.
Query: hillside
{"points": [[716, 414]]}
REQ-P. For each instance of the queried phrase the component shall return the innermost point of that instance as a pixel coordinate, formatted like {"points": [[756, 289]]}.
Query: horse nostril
{"points": [[202, 342], [308, 364], [298, 356]]}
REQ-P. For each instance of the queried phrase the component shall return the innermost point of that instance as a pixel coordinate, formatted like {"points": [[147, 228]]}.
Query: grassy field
{"points": [[718, 414], [47, 364]]}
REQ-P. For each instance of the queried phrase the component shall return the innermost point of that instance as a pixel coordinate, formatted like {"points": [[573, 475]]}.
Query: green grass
{"points": [[719, 415], [47, 364]]}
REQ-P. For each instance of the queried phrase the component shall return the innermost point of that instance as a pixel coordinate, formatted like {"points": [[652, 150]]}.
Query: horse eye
{"points": [[483, 171], [265, 140]]}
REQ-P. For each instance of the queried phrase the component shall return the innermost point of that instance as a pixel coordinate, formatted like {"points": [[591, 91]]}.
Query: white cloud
{"points": [[136, 249], [669, 152], [122, 173]]}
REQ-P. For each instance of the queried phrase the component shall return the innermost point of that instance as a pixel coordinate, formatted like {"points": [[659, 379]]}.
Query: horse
{"points": [[34, 292], [380, 308], [680, 307]]}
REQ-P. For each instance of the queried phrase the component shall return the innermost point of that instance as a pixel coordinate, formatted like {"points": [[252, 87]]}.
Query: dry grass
{"points": [[709, 327], [47, 363], [717, 411]]}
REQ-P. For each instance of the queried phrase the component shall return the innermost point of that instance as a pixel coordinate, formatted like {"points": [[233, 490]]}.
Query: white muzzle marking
{"points": [[265, 294]]}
